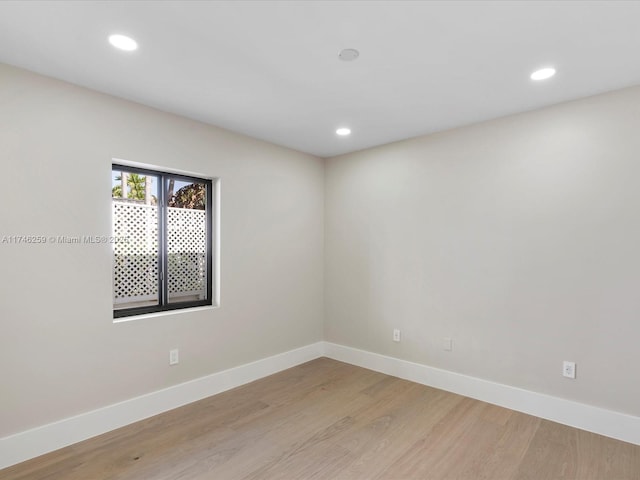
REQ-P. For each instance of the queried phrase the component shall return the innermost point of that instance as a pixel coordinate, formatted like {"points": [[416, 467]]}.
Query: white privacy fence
{"points": [[135, 266]]}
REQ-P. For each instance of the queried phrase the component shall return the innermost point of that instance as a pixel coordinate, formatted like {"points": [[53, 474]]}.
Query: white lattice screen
{"points": [[135, 267], [186, 250]]}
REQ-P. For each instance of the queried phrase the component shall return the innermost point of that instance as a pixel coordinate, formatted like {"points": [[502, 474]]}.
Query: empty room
{"points": [[307, 239]]}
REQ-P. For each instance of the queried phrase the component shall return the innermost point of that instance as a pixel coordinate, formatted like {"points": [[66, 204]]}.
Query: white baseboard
{"points": [[38, 441], [586, 417]]}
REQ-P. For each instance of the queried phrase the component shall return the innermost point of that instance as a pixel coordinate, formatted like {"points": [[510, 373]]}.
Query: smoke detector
{"points": [[349, 54]]}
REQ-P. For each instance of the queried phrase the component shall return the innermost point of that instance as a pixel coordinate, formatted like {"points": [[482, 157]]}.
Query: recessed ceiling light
{"points": [[122, 42], [349, 54], [543, 73], [343, 132]]}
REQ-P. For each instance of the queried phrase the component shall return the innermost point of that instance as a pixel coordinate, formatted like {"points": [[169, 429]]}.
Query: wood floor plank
{"points": [[330, 420], [600, 457], [503, 458], [551, 454], [384, 431], [433, 454]]}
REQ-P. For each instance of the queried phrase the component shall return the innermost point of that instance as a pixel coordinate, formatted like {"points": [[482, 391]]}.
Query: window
{"points": [[162, 241]]}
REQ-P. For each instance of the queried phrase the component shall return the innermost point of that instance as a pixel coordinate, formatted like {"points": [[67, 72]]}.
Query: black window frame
{"points": [[163, 297]]}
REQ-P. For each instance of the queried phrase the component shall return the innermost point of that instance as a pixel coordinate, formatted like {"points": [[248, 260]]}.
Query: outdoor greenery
{"points": [[192, 196], [136, 184]]}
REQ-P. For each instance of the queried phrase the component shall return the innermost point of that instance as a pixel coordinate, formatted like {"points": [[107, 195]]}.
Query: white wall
{"points": [[519, 238], [60, 352]]}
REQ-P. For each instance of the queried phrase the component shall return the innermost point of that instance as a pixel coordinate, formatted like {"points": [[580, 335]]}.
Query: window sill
{"points": [[164, 314]]}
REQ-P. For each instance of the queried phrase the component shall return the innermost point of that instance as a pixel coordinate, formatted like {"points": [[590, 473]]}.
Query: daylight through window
{"points": [[162, 255]]}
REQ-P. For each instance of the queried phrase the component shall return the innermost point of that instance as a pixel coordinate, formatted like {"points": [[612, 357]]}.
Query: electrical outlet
{"points": [[396, 335], [569, 369], [174, 357], [447, 344]]}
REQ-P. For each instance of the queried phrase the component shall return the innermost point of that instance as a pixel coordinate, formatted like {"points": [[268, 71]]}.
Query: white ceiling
{"points": [[270, 69]]}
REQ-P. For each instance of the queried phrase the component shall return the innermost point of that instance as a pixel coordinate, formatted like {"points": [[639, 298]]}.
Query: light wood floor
{"points": [[330, 420]]}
